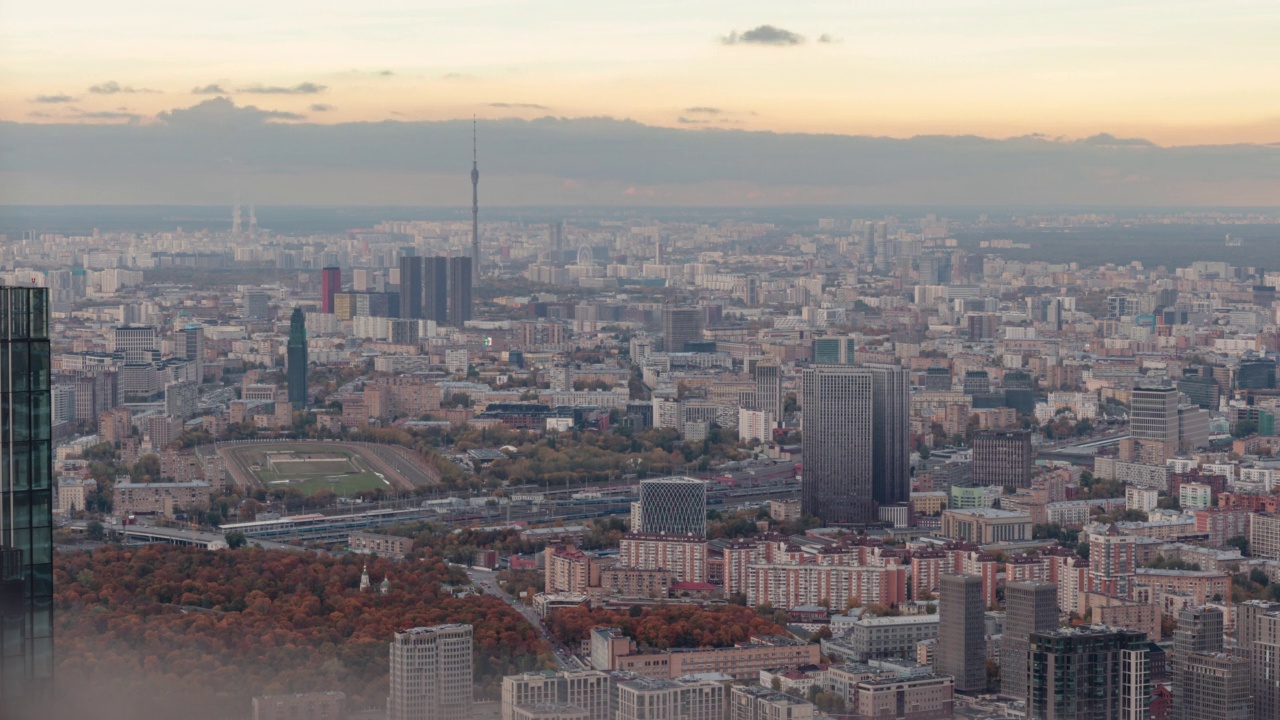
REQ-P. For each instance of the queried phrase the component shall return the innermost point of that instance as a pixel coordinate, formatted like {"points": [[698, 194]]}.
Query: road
{"points": [[486, 580]]}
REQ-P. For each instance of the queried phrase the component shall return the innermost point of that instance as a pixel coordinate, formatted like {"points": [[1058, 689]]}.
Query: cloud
{"points": [[703, 110], [1109, 140], [457, 76], [306, 88], [321, 107], [386, 73], [519, 106], [210, 89], [827, 39], [111, 87], [764, 35], [52, 99], [691, 121], [108, 115], [217, 114]]}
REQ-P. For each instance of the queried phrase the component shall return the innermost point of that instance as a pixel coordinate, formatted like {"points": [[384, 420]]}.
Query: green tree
{"points": [[95, 530], [235, 539]]}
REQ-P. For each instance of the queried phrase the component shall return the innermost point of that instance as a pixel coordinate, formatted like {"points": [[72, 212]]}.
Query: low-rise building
{"points": [[302, 706], [388, 546], [926, 697], [890, 637], [160, 498], [753, 702], [984, 525]]}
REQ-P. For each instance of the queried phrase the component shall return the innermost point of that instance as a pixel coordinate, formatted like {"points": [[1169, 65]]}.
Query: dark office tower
{"points": [[855, 442], [976, 382], [460, 277], [1203, 391], [1256, 375], [680, 325], [962, 645], [890, 434], [411, 287], [191, 347], [26, 502], [1030, 607], [1018, 392], [435, 289], [330, 285], [935, 269], [1002, 457], [866, 243], [297, 359], [475, 211], [1088, 673], [555, 237], [937, 379], [836, 439]]}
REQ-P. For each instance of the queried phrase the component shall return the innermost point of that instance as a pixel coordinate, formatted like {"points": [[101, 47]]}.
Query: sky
{"points": [[1176, 72], [714, 102]]}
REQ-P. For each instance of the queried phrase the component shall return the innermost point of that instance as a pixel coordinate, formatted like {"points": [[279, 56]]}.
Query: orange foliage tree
{"points": [[163, 631]]}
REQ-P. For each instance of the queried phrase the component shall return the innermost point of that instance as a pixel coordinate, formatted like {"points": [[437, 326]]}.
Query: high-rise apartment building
{"points": [[411, 287], [297, 359], [1089, 673], [330, 285], [431, 673], [962, 645], [1112, 561], [680, 326], [855, 442], [26, 503], [181, 399], [190, 346], [1208, 684], [1030, 607], [767, 376], [673, 506], [460, 279], [1258, 638], [1002, 457]]}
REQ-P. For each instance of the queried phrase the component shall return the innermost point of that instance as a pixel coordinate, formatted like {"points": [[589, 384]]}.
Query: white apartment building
{"points": [[431, 673]]}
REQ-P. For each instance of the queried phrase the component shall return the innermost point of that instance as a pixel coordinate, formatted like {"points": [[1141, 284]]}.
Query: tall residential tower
{"points": [[431, 673]]}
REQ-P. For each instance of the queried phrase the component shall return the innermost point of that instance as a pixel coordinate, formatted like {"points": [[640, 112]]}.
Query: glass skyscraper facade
{"points": [[26, 504]]}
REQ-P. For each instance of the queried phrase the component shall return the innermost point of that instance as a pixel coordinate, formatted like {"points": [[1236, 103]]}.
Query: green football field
{"points": [[339, 471]]}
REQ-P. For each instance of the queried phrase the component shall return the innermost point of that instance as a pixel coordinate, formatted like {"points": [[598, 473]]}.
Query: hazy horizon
{"points": [[212, 150]]}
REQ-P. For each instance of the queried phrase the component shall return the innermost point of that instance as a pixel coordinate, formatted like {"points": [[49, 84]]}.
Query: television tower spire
{"points": [[475, 207], [235, 217]]}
